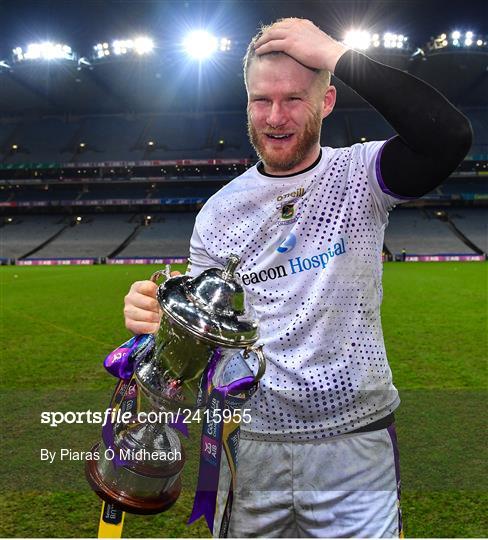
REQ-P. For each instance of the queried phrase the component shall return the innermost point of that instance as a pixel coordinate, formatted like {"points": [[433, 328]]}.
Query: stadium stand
{"points": [[479, 123], [473, 222], [168, 235], [25, 233], [418, 231], [94, 236], [205, 135], [116, 164]]}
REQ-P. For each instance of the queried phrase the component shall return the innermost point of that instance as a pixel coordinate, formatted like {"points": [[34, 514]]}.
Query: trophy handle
{"points": [[258, 351], [161, 274]]}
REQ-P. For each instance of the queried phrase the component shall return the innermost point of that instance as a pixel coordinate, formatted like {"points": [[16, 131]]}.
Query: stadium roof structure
{"points": [[159, 83]]}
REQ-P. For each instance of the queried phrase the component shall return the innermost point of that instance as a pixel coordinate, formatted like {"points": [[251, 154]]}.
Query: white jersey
{"points": [[310, 246]]}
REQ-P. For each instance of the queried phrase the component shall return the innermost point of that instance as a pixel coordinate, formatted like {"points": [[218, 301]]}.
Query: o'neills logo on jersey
{"points": [[296, 265], [294, 194]]}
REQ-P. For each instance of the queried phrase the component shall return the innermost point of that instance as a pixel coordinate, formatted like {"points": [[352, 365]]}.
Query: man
{"points": [[319, 457]]}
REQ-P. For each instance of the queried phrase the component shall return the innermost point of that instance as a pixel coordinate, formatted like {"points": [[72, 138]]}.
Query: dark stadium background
{"points": [[108, 161]]}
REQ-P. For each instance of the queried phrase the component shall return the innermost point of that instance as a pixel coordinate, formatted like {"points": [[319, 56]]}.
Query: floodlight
{"points": [[119, 46], [78, 218], [225, 44], [101, 50], [150, 143], [468, 42], [139, 45], [46, 50], [479, 42], [82, 145], [9, 220], [143, 45], [456, 34], [15, 147], [469, 35], [358, 39], [200, 44]]}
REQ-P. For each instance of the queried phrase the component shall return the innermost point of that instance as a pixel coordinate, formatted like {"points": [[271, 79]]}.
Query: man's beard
{"points": [[286, 161]]}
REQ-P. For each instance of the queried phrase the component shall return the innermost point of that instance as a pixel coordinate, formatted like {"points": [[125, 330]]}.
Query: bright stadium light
{"points": [[140, 45], [225, 44], [469, 35], [394, 41], [468, 42], [101, 50], [200, 44], [143, 45], [46, 50], [358, 39], [456, 34], [120, 46]]}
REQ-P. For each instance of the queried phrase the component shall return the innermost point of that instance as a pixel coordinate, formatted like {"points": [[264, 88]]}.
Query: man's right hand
{"points": [[141, 309]]}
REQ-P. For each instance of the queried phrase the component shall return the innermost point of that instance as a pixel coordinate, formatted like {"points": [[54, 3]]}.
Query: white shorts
{"points": [[346, 486]]}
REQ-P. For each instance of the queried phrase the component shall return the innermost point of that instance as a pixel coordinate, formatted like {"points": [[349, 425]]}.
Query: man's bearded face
{"points": [[284, 155], [284, 113]]}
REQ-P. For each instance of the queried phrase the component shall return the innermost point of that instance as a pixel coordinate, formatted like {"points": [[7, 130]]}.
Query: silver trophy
{"points": [[205, 321]]}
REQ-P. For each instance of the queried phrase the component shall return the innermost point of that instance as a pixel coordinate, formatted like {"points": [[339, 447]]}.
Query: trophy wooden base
{"points": [[129, 503]]}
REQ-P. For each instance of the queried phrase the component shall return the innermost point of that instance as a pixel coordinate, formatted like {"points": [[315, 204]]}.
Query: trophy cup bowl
{"points": [[205, 319]]}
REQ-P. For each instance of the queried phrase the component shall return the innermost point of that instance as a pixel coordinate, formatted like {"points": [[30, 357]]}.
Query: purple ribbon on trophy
{"points": [[205, 500], [121, 363]]}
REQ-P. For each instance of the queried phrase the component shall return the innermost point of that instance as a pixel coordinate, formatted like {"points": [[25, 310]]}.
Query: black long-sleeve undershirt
{"points": [[432, 137]]}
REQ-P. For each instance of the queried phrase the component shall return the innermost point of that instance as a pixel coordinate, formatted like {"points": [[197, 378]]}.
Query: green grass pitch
{"points": [[58, 323]]}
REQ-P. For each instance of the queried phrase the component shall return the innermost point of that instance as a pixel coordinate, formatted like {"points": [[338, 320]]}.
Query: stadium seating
{"points": [[179, 136], [27, 232], [42, 140], [167, 236], [473, 222], [479, 123], [94, 236], [419, 232]]}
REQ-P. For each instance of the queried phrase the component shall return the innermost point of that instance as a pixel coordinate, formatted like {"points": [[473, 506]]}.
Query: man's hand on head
{"points": [[303, 41]]}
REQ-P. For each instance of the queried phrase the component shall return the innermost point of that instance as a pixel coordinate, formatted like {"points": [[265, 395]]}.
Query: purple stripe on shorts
{"points": [[382, 184], [394, 441], [396, 454]]}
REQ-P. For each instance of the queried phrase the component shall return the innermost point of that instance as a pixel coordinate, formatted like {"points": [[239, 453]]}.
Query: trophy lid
{"points": [[211, 306]]}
